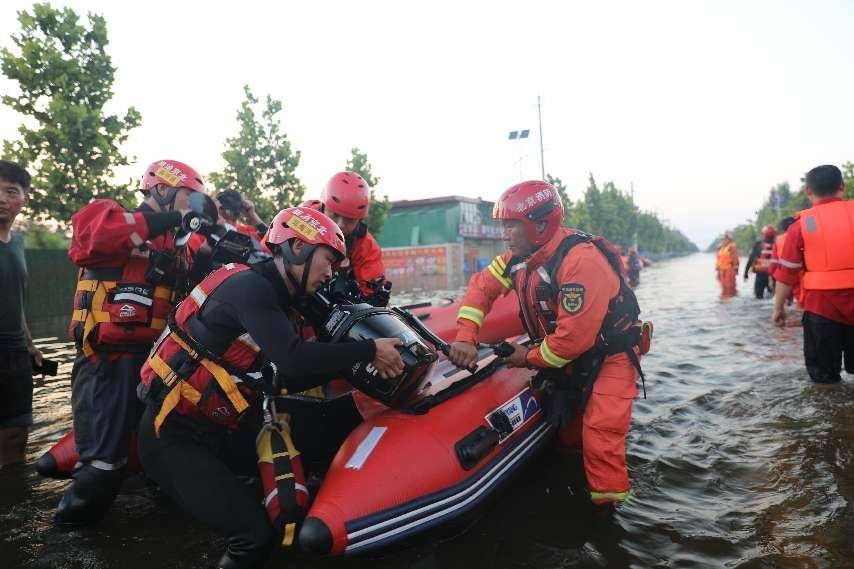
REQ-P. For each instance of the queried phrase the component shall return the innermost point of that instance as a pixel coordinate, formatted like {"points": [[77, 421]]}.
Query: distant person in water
{"points": [[759, 262], [779, 243], [635, 264], [727, 264], [819, 251]]}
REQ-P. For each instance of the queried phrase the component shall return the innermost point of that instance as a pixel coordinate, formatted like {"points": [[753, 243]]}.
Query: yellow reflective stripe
{"points": [[471, 313], [79, 315], [167, 374], [283, 476], [158, 323], [498, 274], [223, 378], [164, 292], [550, 357], [610, 496], [499, 260], [290, 532], [183, 389]]}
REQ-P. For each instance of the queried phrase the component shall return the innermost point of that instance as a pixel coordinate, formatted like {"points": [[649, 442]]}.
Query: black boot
{"points": [[87, 499]]}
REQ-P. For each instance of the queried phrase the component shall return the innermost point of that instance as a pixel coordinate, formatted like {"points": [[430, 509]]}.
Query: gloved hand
{"points": [[193, 222]]}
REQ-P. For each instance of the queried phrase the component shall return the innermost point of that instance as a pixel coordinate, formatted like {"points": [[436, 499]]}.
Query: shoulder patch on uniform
{"points": [[572, 297]]}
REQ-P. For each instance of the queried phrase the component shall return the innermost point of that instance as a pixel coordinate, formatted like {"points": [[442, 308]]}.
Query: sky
{"points": [[702, 107]]}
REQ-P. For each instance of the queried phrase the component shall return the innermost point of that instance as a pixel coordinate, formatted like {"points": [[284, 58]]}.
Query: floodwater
{"points": [[737, 460]]}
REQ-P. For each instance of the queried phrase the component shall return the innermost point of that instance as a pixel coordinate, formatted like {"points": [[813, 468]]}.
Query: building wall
{"points": [[431, 224]]}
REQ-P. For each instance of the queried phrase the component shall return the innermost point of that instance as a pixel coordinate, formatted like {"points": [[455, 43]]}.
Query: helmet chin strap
{"points": [[167, 201], [299, 285]]}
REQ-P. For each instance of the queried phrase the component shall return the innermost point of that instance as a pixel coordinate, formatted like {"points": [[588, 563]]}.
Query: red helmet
{"points": [[348, 195], [769, 231], [632, 250], [530, 202], [307, 225], [173, 174]]}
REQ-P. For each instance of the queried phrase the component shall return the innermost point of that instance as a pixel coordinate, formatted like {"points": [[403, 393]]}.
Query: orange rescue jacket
{"points": [[828, 231]]}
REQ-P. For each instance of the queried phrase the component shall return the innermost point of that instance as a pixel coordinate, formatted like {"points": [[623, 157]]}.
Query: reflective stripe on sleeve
{"points": [[550, 357], [471, 313], [790, 265], [496, 268], [603, 497]]}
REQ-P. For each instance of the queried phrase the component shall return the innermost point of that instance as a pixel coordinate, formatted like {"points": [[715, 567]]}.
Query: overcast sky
{"points": [[703, 106]]}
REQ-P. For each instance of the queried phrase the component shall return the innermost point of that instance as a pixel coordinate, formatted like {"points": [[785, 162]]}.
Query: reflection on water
{"points": [[737, 460]]}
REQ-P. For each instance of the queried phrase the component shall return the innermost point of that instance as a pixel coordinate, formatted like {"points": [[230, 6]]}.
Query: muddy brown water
{"points": [[737, 460]]}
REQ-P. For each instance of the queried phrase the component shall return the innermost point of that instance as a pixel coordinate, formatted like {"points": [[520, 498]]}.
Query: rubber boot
{"points": [[87, 499]]}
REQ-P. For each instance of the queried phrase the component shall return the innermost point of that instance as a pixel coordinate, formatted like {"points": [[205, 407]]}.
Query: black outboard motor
{"points": [[340, 322]]}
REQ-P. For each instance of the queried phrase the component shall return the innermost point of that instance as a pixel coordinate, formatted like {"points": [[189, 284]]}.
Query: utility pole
{"points": [[540, 117]]}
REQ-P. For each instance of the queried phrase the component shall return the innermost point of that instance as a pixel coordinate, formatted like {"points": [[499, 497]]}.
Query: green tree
{"points": [[259, 160], [378, 213], [37, 236], [65, 79]]}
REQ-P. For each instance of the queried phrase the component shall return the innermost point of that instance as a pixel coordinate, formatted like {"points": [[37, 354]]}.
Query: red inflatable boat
{"points": [[402, 472], [501, 323]]}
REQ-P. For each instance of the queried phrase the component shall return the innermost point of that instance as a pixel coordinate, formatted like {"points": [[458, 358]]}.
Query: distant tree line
{"points": [[612, 213], [781, 202]]}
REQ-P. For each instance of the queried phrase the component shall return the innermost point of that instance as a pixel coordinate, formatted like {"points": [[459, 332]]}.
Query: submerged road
{"points": [[737, 460]]}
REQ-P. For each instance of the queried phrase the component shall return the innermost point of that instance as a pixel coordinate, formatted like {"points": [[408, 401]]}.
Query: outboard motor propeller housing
{"points": [[353, 322]]}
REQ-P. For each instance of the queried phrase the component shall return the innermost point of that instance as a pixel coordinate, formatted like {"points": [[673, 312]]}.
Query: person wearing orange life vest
{"points": [[200, 381], [726, 264], [819, 251], [760, 263], [582, 317], [346, 199], [779, 243], [130, 265]]}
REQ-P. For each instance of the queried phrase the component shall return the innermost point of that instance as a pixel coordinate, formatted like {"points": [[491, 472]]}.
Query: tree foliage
{"points": [[613, 214], [781, 202], [378, 213], [562, 192], [65, 79], [260, 161]]}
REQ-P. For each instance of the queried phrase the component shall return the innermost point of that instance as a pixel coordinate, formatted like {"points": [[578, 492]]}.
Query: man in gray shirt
{"points": [[16, 344]]}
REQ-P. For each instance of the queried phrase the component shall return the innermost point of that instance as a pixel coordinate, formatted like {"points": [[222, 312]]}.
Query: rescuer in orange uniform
{"points": [[727, 264], [821, 244], [779, 243], [233, 206], [131, 263], [201, 385], [582, 317], [346, 199], [760, 263]]}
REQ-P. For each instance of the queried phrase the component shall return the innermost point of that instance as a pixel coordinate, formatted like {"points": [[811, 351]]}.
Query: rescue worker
{"points": [[727, 264], [573, 301], [198, 384], [346, 199], [779, 243], [821, 244], [635, 264], [130, 265], [233, 206], [760, 263]]}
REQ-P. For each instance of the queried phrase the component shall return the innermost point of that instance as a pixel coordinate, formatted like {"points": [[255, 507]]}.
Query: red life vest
{"points": [[124, 309], [538, 291], [828, 231], [187, 376], [762, 264]]}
